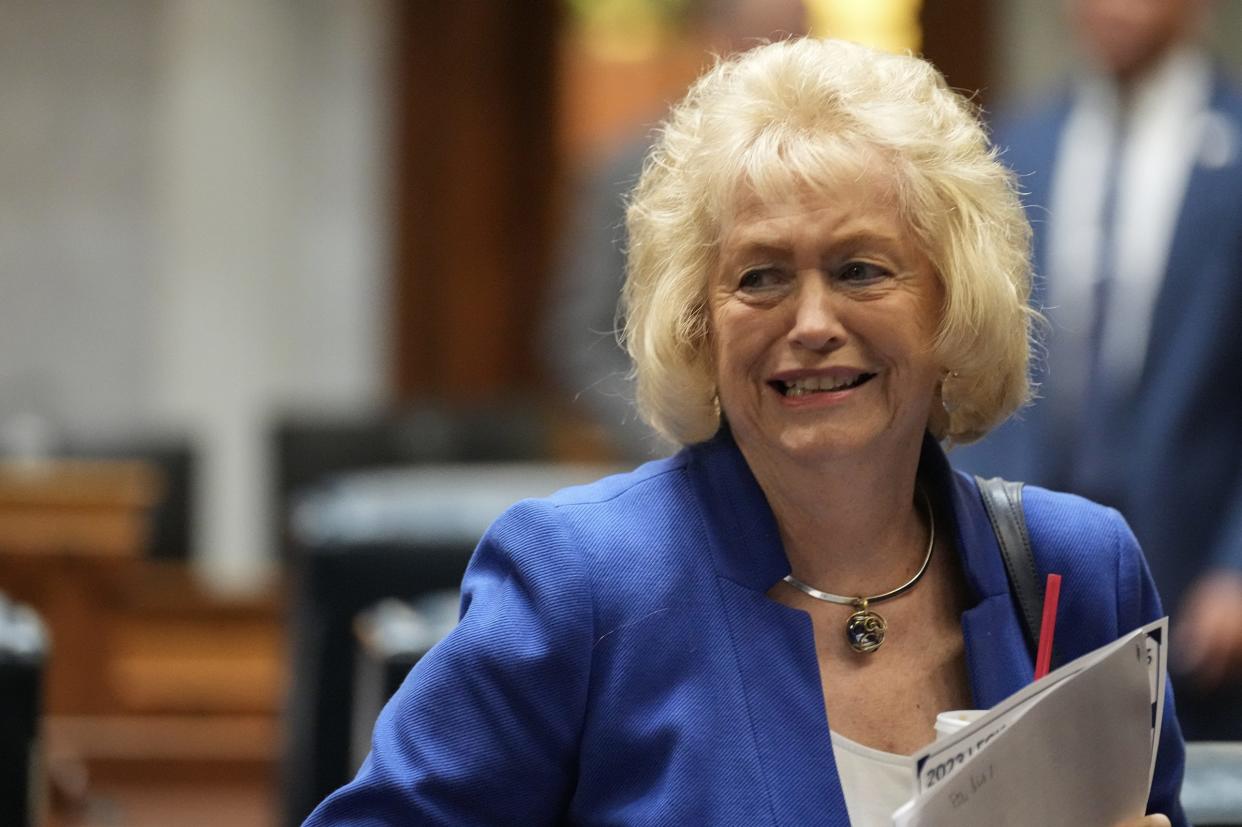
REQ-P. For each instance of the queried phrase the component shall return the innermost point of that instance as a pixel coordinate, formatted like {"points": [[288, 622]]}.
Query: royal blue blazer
{"points": [[619, 663]]}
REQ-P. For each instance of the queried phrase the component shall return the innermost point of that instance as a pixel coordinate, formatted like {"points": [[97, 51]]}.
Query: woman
{"points": [[828, 276]]}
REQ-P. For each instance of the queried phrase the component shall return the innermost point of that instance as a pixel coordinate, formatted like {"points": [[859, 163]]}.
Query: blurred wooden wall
{"points": [[475, 161], [958, 36]]}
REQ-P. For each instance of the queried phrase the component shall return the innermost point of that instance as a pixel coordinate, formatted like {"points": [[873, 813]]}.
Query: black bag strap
{"points": [[1003, 502]]}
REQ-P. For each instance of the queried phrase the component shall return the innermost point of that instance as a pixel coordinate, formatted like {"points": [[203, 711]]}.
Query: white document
{"points": [[1077, 747]]}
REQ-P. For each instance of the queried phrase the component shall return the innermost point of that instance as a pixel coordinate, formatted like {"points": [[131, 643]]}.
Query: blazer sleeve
{"points": [[1139, 604], [485, 728]]}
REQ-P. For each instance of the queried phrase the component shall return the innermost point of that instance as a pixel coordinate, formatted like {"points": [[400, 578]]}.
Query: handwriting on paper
{"points": [[971, 782]]}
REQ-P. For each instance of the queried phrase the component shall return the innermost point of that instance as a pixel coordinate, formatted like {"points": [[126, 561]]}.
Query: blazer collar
{"points": [[747, 543], [741, 527], [747, 549]]}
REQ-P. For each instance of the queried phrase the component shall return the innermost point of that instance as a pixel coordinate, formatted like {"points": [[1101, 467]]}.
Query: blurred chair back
{"points": [[311, 448], [173, 459], [346, 551], [23, 653], [392, 636], [1212, 790]]}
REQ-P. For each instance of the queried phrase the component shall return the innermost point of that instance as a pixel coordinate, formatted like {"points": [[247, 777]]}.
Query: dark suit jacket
{"points": [[619, 662], [1179, 481]]}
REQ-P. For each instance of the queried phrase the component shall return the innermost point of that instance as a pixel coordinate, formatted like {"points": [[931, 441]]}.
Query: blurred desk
{"points": [[427, 504], [148, 674], [67, 531], [363, 537], [77, 507]]}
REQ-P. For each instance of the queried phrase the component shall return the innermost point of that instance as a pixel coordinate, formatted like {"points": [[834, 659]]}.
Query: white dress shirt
{"points": [[1164, 119], [875, 783]]}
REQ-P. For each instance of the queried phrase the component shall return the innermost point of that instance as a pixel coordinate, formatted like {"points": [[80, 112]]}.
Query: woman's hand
{"points": [[1155, 820], [1208, 634]]}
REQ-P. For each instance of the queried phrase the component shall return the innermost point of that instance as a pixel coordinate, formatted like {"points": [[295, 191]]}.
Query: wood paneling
{"points": [[475, 166], [957, 37]]}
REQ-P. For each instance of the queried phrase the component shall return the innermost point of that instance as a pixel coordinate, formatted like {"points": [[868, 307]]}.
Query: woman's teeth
{"points": [[820, 384]]}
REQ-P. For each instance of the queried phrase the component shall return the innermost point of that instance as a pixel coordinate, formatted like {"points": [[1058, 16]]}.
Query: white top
{"points": [[875, 783], [1165, 122]]}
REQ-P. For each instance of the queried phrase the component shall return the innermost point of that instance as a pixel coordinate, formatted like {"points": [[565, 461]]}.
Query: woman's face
{"points": [[823, 310]]}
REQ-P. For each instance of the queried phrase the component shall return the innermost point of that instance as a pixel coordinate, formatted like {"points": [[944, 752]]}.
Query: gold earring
{"points": [[946, 397]]}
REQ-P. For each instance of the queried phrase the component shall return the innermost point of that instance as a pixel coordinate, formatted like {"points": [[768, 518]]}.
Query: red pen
{"points": [[1048, 625]]}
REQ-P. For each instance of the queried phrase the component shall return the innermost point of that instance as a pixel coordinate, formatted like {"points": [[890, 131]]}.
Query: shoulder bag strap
{"points": [[1003, 502]]}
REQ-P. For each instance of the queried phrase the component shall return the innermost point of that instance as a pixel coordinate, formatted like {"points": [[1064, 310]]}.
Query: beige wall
{"points": [[193, 230]]}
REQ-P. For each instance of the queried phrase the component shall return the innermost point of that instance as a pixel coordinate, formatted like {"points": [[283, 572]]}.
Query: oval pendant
{"points": [[865, 630]]}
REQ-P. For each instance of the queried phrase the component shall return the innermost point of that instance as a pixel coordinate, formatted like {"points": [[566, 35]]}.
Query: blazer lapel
{"points": [[775, 650], [998, 660], [773, 644]]}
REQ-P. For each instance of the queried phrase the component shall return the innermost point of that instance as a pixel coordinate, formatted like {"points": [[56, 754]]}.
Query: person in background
{"points": [[1133, 177], [828, 278], [580, 342]]}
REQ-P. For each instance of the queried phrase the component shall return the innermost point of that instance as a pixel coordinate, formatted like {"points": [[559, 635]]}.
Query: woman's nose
{"points": [[816, 322]]}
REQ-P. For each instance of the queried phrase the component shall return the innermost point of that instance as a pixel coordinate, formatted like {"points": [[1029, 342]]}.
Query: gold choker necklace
{"points": [[865, 629]]}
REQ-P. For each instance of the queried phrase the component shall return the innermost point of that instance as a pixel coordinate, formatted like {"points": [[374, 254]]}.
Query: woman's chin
{"points": [[813, 444]]}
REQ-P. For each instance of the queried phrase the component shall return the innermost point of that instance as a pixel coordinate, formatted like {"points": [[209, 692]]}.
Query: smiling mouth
{"points": [[819, 384]]}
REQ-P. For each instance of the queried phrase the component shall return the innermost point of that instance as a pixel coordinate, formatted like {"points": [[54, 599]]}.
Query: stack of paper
{"points": [[1077, 747]]}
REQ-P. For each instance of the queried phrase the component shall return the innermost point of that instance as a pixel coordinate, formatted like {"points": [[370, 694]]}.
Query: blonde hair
{"points": [[799, 112]]}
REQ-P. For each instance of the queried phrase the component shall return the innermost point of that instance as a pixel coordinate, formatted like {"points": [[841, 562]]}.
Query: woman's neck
{"points": [[849, 525]]}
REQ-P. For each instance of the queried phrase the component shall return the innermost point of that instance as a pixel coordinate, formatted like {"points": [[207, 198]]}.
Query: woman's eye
{"points": [[861, 271], [758, 279]]}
